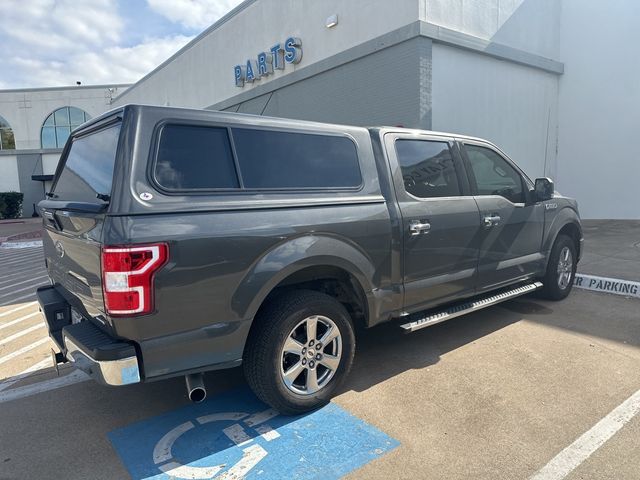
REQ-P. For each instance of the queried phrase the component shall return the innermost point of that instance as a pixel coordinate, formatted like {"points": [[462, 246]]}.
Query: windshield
{"points": [[88, 170]]}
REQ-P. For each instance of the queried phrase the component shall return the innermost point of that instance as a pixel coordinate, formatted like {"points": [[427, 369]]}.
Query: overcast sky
{"points": [[58, 42]]}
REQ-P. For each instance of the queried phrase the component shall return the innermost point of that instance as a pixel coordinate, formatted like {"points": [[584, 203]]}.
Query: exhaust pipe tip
{"points": [[197, 395], [195, 387]]}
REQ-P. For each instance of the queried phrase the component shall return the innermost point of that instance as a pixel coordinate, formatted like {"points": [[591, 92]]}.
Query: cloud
{"points": [[59, 42], [112, 65], [195, 14], [41, 27]]}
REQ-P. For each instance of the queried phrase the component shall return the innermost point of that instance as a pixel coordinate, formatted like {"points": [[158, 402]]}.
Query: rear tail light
{"points": [[127, 277]]}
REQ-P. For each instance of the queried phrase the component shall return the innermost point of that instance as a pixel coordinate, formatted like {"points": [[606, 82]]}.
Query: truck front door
{"points": [[440, 219], [512, 224]]}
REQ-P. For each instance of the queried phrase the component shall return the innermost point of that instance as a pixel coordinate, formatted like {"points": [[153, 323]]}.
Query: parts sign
{"points": [[265, 63]]}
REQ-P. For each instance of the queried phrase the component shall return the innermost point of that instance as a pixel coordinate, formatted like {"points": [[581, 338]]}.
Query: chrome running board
{"points": [[426, 319]]}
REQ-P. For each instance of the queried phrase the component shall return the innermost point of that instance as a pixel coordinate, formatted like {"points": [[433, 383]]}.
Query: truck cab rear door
{"points": [[440, 220]]}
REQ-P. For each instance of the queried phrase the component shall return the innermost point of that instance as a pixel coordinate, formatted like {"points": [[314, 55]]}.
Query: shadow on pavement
{"points": [[386, 351]]}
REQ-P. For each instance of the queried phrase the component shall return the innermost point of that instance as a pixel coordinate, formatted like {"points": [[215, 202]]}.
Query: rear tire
{"points": [[561, 269], [286, 364]]}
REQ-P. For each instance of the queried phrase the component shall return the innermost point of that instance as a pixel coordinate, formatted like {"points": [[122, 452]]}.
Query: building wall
{"points": [[9, 181], [530, 25], [27, 109], [598, 112], [33, 191], [202, 73], [389, 87], [17, 167], [512, 105], [50, 162]]}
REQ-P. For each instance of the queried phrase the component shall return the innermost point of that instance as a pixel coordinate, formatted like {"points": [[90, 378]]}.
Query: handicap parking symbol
{"points": [[235, 436], [252, 454]]}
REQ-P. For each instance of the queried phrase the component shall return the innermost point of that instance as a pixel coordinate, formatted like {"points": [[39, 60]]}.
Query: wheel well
{"points": [[573, 232], [333, 281]]}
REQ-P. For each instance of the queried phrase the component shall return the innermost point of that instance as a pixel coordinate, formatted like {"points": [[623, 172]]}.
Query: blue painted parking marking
{"points": [[234, 436]]}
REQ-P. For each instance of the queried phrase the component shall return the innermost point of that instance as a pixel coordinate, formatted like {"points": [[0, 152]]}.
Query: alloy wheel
{"points": [[565, 268], [311, 355]]}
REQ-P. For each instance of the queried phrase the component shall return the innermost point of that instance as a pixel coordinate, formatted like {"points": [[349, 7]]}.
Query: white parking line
{"points": [[27, 272], [21, 333], [24, 281], [20, 253], [22, 350], [76, 376], [576, 453], [28, 259], [21, 290], [9, 312], [18, 320], [17, 262], [14, 300], [25, 373]]}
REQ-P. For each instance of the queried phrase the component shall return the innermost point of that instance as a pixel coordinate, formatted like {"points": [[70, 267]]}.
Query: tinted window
{"points": [[494, 175], [427, 168], [88, 169], [192, 157], [270, 159]]}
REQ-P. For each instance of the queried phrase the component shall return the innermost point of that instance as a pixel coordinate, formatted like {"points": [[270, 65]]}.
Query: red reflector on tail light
{"points": [[127, 277]]}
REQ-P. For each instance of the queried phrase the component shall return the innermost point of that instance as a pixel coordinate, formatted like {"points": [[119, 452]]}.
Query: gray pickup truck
{"points": [[180, 241]]}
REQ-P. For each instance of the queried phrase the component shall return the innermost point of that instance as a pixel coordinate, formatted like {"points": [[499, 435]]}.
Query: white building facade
{"points": [[37, 122], [552, 82]]}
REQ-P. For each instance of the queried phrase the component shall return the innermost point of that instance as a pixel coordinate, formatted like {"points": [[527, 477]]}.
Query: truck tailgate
{"points": [[72, 253]]}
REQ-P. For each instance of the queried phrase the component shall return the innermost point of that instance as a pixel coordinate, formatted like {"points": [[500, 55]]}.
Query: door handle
{"points": [[491, 220], [416, 227]]}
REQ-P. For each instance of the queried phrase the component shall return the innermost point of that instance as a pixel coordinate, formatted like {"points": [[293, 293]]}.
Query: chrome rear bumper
{"points": [[106, 359], [121, 371]]}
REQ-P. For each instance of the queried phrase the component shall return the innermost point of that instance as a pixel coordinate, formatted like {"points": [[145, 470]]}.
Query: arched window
{"points": [[57, 127], [7, 141]]}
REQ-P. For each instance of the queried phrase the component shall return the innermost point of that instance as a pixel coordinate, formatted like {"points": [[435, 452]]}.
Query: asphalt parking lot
{"points": [[527, 389]]}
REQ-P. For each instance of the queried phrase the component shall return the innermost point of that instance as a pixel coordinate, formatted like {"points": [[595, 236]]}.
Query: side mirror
{"points": [[544, 189]]}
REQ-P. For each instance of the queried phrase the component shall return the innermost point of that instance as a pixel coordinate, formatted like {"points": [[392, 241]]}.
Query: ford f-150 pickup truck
{"points": [[179, 241]]}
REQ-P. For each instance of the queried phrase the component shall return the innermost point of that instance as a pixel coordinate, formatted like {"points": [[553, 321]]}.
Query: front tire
{"points": [[299, 351], [561, 269]]}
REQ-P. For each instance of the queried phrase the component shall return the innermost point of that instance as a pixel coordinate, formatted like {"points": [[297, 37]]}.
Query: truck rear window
{"points": [[88, 168], [194, 158], [270, 159], [191, 157]]}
